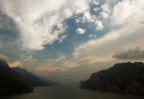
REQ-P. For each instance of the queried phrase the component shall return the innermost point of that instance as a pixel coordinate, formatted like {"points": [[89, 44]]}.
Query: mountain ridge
{"points": [[32, 79], [122, 78], [11, 82]]}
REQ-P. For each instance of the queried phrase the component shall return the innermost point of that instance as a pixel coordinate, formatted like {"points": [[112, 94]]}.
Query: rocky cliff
{"points": [[122, 77]]}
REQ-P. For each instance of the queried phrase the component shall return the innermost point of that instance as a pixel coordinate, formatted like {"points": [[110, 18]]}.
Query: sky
{"points": [[71, 36]]}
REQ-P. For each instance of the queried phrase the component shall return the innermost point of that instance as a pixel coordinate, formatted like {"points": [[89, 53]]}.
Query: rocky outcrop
{"points": [[122, 77], [135, 87]]}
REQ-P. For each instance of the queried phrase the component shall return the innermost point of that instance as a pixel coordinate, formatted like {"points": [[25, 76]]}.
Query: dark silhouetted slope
{"points": [[32, 79], [122, 77], [11, 82]]}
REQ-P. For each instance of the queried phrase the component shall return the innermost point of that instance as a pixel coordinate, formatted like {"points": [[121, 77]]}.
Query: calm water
{"points": [[70, 92]]}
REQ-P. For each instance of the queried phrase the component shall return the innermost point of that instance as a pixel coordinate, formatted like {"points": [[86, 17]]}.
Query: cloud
{"points": [[134, 54], [105, 11], [41, 23], [77, 20], [87, 17], [15, 64], [126, 11], [96, 19], [11, 63], [48, 68], [92, 36], [80, 31], [100, 50], [34, 25], [36, 20], [62, 38], [28, 61], [1, 45], [99, 25], [96, 2], [4, 57]]}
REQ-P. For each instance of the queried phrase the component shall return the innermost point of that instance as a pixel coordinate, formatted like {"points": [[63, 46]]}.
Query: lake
{"points": [[70, 92]]}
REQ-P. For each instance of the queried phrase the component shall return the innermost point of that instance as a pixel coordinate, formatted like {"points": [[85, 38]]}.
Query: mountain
{"points": [[122, 77], [32, 79], [11, 82]]}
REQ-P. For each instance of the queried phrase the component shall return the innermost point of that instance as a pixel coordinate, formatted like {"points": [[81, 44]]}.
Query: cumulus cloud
{"points": [[127, 11], [100, 50], [134, 54], [38, 23], [87, 17], [42, 22], [36, 20], [80, 31], [99, 25], [92, 36], [96, 2], [77, 20], [105, 11]]}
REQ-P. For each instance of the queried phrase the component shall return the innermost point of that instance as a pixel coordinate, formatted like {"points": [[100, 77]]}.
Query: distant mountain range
{"points": [[17, 80], [32, 79], [122, 77]]}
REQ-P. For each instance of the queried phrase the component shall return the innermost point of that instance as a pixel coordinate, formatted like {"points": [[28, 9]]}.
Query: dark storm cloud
{"points": [[135, 54]]}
